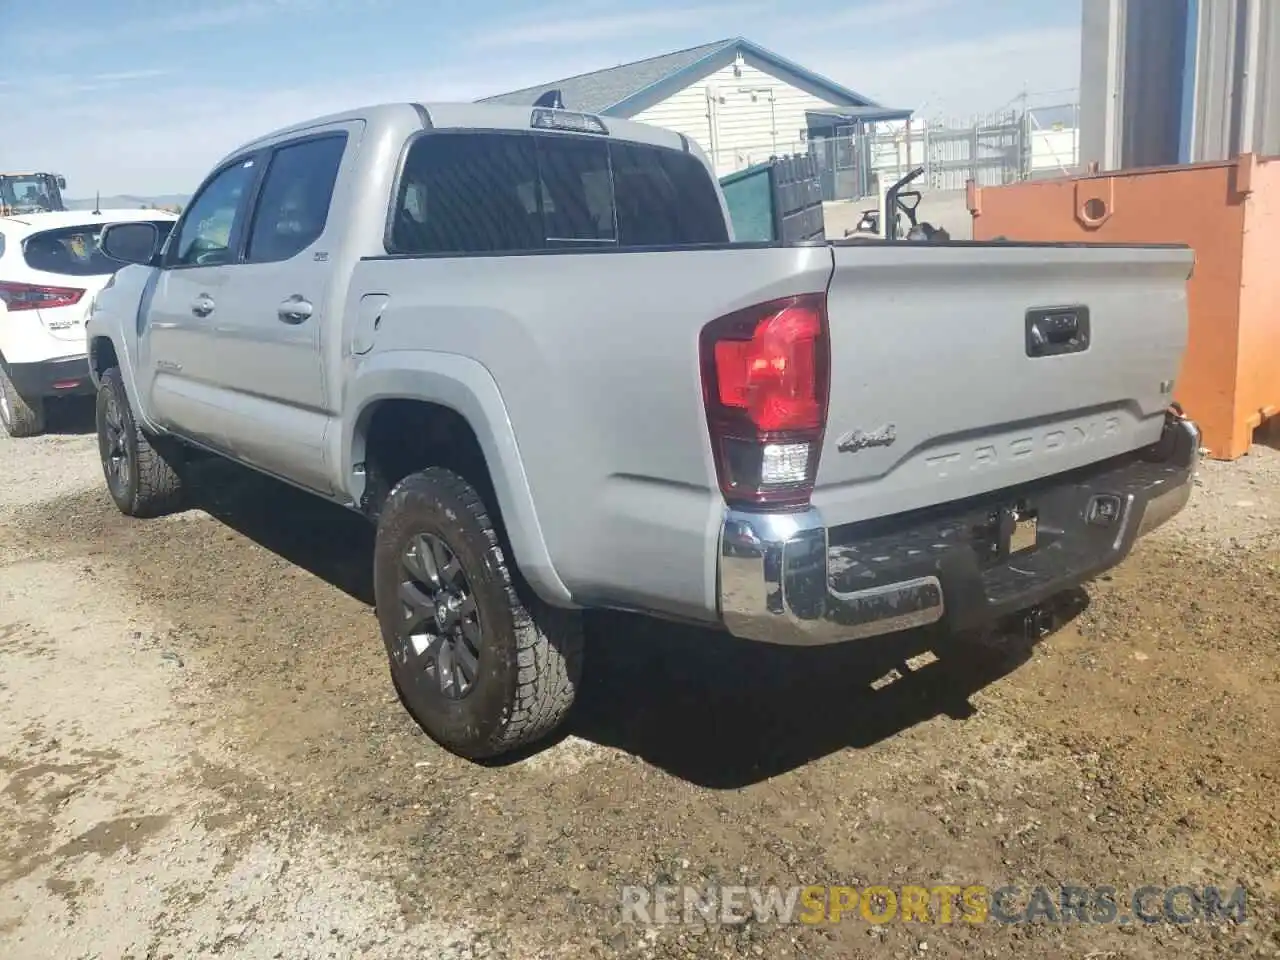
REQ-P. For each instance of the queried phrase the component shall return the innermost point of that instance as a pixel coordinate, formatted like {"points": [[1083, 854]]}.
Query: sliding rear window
{"points": [[492, 193], [664, 198], [74, 251]]}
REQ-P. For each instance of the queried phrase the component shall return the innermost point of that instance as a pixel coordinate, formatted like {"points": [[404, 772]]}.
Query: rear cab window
{"points": [[494, 193], [664, 198], [74, 251]]}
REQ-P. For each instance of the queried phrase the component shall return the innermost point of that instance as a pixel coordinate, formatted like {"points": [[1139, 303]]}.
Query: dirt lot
{"points": [[201, 753]]}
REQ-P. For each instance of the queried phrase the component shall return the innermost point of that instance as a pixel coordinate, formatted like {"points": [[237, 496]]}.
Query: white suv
{"points": [[50, 269]]}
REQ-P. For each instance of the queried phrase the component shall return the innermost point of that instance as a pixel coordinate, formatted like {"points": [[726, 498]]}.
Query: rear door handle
{"points": [[297, 309], [203, 305]]}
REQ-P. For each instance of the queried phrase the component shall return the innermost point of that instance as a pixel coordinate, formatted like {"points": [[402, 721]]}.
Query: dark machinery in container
{"points": [[895, 218], [31, 193]]}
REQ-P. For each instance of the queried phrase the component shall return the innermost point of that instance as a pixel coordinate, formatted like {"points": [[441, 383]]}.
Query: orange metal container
{"points": [[1229, 213]]}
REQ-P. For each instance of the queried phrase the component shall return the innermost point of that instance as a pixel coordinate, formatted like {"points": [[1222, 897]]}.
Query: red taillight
{"points": [[764, 380], [27, 296]]}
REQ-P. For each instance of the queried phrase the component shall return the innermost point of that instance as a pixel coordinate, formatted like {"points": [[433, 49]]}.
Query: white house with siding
{"points": [[738, 101]]}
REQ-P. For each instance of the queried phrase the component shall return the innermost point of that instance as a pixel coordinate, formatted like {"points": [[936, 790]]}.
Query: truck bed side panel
{"points": [[596, 357]]}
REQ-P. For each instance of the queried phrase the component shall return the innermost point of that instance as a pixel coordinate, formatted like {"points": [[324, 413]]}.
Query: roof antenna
{"points": [[97, 203], [550, 99]]}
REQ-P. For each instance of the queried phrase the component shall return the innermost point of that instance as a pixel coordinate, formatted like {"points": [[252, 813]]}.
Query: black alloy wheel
{"points": [[440, 632]]}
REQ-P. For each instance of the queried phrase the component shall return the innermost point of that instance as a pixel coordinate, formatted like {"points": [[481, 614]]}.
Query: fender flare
{"points": [[124, 361], [123, 333], [468, 388]]}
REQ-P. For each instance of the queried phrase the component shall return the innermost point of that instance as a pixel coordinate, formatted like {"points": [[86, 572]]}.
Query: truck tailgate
{"points": [[958, 370]]}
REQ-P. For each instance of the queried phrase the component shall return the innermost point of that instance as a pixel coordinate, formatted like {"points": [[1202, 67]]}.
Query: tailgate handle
{"points": [[1052, 331]]}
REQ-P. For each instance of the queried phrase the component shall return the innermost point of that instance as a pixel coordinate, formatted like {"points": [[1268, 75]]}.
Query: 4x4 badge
{"points": [[856, 440]]}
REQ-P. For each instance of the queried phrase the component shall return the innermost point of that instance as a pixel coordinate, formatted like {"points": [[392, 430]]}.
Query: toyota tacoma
{"points": [[524, 344]]}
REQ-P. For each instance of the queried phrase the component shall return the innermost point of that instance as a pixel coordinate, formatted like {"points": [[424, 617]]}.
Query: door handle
{"points": [[1054, 331], [203, 305], [297, 309]]}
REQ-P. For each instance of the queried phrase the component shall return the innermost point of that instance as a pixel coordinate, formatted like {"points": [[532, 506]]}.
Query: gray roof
{"points": [[595, 92], [630, 88]]}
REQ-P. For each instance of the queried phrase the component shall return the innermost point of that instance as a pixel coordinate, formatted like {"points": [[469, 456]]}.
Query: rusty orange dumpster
{"points": [[1229, 213]]}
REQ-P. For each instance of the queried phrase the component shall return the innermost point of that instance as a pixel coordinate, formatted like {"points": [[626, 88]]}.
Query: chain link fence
{"points": [[1001, 148]]}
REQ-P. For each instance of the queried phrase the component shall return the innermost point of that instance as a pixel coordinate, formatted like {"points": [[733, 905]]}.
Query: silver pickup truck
{"points": [[523, 343]]}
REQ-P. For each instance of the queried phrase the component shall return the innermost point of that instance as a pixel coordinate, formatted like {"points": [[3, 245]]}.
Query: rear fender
{"points": [[466, 387]]}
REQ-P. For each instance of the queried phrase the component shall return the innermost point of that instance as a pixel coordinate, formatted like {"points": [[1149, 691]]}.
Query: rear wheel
{"points": [[483, 670], [21, 417], [142, 473]]}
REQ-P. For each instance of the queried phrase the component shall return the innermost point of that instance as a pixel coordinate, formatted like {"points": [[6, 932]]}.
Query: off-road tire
{"points": [[530, 659], [21, 417], [150, 485]]}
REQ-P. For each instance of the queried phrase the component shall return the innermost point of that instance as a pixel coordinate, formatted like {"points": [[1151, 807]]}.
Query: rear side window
{"points": [[294, 203], [511, 193], [74, 251]]}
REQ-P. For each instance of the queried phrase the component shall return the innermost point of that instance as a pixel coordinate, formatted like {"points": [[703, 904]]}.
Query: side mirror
{"points": [[62, 183], [130, 242]]}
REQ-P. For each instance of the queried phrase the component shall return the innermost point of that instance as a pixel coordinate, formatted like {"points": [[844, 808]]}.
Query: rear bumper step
{"points": [[787, 578]]}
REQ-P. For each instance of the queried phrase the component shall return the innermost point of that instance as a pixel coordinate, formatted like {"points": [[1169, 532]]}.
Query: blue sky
{"points": [[141, 96]]}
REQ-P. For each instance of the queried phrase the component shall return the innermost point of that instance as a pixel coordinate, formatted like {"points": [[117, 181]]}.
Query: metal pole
{"points": [[1249, 69]]}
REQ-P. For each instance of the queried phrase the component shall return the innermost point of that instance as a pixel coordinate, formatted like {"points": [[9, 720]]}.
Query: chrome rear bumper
{"points": [[788, 578]]}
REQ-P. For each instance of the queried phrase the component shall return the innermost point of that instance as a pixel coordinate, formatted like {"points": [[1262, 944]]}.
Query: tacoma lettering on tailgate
{"points": [[1041, 443]]}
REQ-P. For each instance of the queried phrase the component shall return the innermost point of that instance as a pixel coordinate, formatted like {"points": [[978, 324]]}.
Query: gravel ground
{"points": [[201, 753]]}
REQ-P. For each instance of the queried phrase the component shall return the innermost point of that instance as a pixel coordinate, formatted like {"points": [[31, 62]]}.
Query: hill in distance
{"points": [[127, 202]]}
